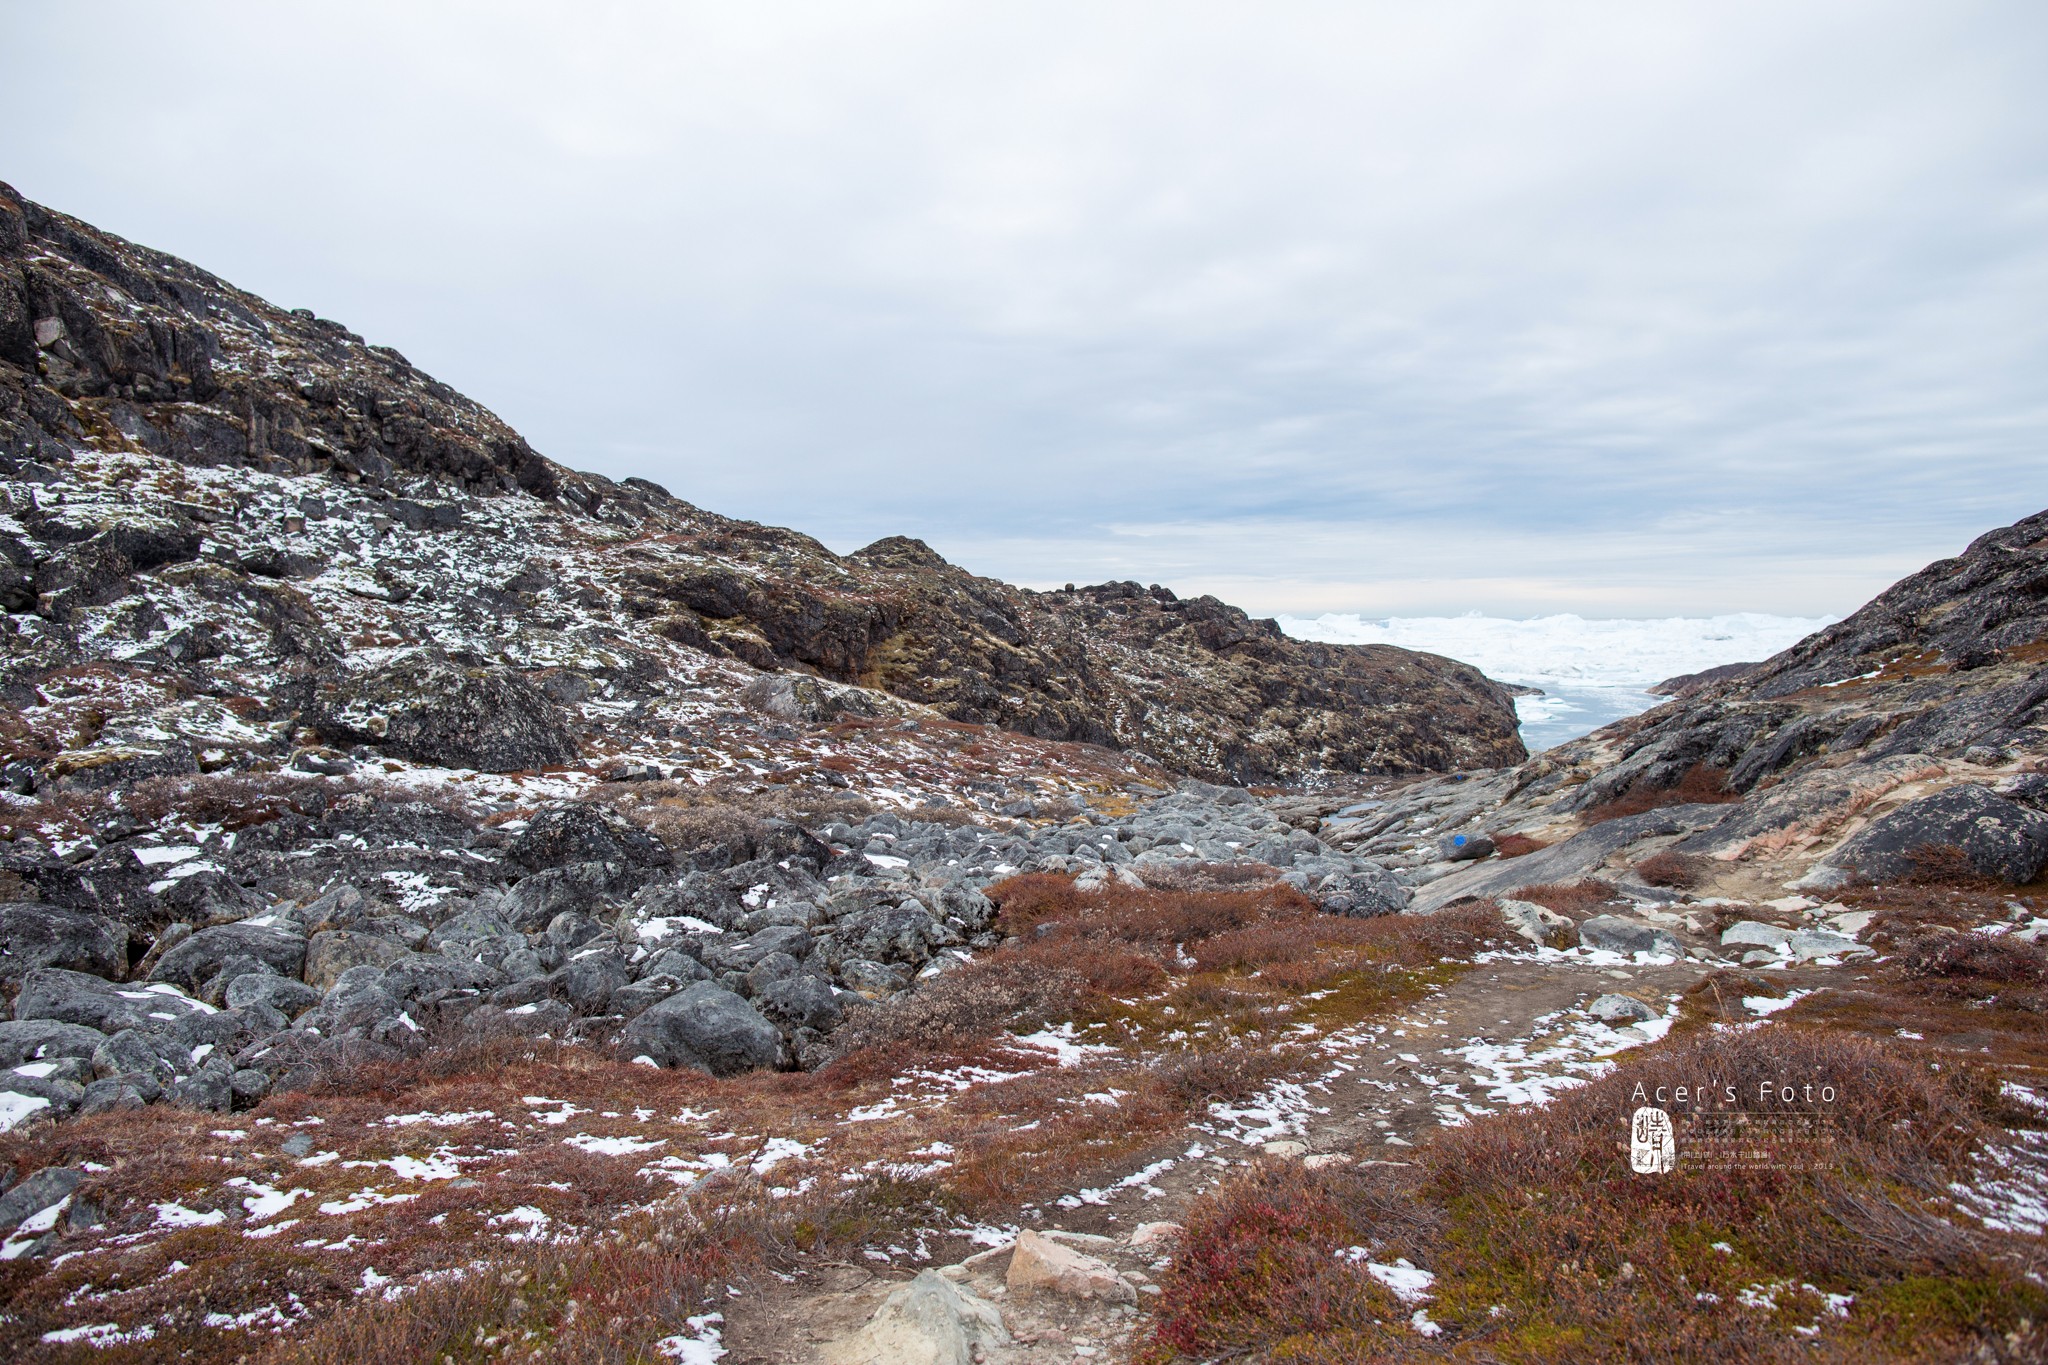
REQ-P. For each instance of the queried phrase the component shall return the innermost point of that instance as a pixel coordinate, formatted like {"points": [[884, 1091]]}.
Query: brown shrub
{"points": [[1946, 865], [1671, 868], [1546, 1247], [1045, 905], [962, 1009], [689, 828], [1700, 784], [954, 816], [1516, 845], [1971, 966], [1259, 1271], [1582, 897], [1196, 1079]]}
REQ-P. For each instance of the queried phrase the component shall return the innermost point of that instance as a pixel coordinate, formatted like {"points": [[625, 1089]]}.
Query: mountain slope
{"points": [[310, 499]]}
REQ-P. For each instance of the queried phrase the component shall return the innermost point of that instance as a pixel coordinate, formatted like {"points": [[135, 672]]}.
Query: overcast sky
{"points": [[1617, 308]]}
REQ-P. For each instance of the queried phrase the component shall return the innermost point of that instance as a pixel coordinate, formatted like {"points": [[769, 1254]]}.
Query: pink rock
{"points": [[1041, 1264]]}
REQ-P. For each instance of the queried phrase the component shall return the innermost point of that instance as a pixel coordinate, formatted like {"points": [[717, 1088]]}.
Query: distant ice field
{"points": [[1592, 671]]}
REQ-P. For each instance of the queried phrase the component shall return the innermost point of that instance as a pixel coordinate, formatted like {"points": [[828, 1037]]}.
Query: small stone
{"points": [[1041, 1264], [1620, 1009], [1285, 1147], [1156, 1234], [930, 1321]]}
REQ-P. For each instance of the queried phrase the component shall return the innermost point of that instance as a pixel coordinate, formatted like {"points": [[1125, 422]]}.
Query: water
{"points": [[1593, 671]]}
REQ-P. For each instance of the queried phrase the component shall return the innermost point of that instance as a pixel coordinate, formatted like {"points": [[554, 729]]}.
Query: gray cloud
{"points": [[1603, 307]]}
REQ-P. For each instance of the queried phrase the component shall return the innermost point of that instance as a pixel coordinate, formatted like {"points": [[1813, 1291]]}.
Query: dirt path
{"points": [[1499, 1034]]}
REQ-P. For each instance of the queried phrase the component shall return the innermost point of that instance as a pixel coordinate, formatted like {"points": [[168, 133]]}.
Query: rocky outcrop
{"points": [[220, 495], [1886, 747], [433, 709]]}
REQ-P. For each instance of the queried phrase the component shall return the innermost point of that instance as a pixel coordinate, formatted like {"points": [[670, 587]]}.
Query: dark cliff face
{"points": [[1950, 663], [259, 501]]}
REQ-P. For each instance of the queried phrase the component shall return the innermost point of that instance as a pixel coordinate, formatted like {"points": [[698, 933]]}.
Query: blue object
{"points": [[1457, 841]]}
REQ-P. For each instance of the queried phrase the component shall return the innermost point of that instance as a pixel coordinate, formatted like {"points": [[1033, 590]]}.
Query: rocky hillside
{"points": [[1836, 757], [203, 487]]}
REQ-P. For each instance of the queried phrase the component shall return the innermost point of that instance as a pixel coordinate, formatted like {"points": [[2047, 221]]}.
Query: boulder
{"points": [[1464, 848], [1620, 1009], [290, 998], [904, 934], [536, 900], [36, 1040], [45, 1189], [1753, 934], [801, 1000], [1809, 944], [1618, 934], [1361, 893], [629, 1000], [52, 993], [426, 707], [199, 958], [930, 1321], [704, 1027], [583, 833], [1041, 1265], [2001, 839], [588, 981], [1538, 923], [34, 936], [331, 952], [473, 925], [871, 979]]}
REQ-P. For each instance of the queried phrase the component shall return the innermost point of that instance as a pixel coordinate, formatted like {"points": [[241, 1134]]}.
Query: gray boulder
{"points": [[1752, 934], [39, 1040], [34, 936], [331, 952], [1537, 923], [588, 981], [874, 980], [1361, 893], [45, 1189], [52, 993], [290, 998], [801, 1000], [629, 1000], [704, 1027], [583, 833], [199, 958], [892, 933], [473, 925], [1620, 935], [1464, 848], [2002, 839], [1620, 1009], [428, 708], [536, 900], [1808, 944]]}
